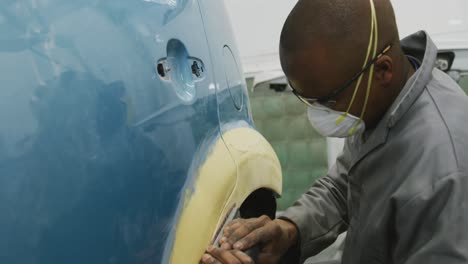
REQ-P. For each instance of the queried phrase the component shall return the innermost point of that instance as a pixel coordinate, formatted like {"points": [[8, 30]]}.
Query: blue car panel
{"points": [[103, 107]]}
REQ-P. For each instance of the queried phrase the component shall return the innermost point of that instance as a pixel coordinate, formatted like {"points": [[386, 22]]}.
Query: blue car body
{"points": [[107, 111]]}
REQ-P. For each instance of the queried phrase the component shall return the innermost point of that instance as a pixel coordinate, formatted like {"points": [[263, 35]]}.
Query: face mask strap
{"points": [[373, 39], [354, 128], [371, 70]]}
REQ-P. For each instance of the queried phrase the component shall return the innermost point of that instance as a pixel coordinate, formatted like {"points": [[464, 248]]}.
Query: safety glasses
{"points": [[329, 100]]}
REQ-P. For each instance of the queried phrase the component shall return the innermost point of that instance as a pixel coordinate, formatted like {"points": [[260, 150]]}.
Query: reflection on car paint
{"points": [[177, 6], [94, 148], [115, 195]]}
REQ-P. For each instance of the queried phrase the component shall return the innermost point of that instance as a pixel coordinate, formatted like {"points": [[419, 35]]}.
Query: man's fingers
{"points": [[260, 235], [226, 246], [240, 228], [232, 226], [208, 259], [242, 235], [223, 256], [251, 223], [243, 257], [240, 232]]}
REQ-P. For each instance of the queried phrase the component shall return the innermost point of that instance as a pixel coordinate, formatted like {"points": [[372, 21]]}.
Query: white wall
{"points": [[436, 16], [257, 23]]}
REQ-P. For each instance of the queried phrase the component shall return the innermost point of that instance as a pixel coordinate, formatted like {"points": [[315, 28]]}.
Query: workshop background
{"points": [[278, 115]]}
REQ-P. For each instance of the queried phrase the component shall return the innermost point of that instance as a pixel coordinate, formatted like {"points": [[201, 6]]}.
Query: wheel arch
{"points": [[241, 171]]}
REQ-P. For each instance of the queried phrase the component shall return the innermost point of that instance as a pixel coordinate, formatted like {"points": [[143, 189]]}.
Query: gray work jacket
{"points": [[402, 194]]}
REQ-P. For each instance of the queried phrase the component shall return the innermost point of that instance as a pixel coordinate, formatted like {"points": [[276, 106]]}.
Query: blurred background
{"points": [[281, 118]]}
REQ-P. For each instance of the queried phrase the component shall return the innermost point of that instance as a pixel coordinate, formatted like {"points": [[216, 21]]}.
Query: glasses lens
{"points": [[313, 102]]}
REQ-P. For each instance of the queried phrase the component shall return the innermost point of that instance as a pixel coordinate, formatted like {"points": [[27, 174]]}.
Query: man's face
{"points": [[340, 80], [315, 75]]}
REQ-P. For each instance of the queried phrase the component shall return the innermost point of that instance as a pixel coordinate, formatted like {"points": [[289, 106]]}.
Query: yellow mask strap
{"points": [[372, 48], [369, 49], [371, 70]]}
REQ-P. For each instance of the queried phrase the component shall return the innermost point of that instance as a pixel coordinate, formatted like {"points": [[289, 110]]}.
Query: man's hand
{"points": [[274, 236], [223, 256]]}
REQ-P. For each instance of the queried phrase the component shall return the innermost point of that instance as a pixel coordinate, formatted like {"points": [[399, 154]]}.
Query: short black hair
{"points": [[343, 25]]}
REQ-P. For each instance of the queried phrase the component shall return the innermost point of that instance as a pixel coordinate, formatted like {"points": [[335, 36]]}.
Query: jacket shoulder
{"points": [[432, 139], [451, 105]]}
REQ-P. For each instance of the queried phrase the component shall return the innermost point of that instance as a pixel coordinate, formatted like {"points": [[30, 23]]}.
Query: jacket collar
{"points": [[420, 46]]}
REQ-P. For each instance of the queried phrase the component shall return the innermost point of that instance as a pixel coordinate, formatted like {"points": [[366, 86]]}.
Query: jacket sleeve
{"points": [[321, 213], [432, 227]]}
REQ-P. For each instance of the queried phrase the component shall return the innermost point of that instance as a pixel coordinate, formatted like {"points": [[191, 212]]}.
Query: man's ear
{"points": [[383, 71]]}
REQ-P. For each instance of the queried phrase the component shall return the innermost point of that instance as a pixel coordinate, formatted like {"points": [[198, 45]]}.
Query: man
{"points": [[400, 187]]}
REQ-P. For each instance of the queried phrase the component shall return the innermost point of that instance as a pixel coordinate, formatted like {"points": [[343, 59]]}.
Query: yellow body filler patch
{"points": [[235, 168]]}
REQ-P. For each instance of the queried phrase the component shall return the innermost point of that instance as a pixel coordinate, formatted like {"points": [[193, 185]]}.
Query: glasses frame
{"points": [[328, 100]]}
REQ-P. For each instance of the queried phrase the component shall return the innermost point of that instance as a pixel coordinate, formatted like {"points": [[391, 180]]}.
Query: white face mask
{"points": [[331, 123]]}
